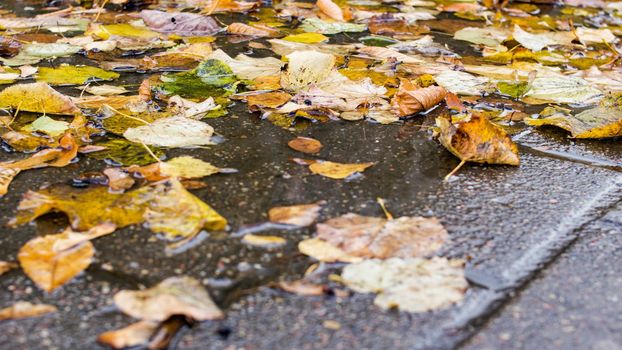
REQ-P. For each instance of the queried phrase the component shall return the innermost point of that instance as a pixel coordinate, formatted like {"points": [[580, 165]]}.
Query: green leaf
{"points": [[210, 79], [48, 126], [126, 153]]}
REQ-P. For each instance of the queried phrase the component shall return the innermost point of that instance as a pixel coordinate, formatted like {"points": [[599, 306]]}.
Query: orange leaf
{"points": [[330, 9], [411, 99]]}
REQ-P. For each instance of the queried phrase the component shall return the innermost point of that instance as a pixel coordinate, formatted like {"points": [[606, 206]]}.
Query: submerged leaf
{"points": [[478, 140], [180, 23], [413, 285], [174, 296], [123, 152]]}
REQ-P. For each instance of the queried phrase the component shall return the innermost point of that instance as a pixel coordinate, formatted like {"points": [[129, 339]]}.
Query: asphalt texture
{"points": [[541, 240]]}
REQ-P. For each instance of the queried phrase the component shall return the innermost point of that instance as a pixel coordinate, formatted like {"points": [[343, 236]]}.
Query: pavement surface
{"points": [[542, 243]]}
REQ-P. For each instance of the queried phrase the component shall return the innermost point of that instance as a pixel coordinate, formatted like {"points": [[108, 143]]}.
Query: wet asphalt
{"points": [[510, 223]]}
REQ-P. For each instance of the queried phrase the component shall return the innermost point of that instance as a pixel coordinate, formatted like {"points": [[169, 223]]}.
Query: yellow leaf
{"points": [[337, 170], [263, 241], [37, 97], [306, 38], [24, 309]]}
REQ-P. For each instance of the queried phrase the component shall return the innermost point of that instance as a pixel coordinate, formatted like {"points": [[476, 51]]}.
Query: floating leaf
{"points": [[123, 152], [478, 140], [24, 309], [271, 99], [255, 31], [180, 23], [174, 296], [305, 145], [413, 285], [172, 132], [73, 75], [298, 215], [462, 83], [325, 252], [135, 334], [37, 97], [539, 41], [211, 78], [561, 89], [337, 170], [250, 68], [188, 168], [603, 121]]}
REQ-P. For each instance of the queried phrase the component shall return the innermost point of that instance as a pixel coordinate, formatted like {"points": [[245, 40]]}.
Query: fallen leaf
{"points": [[37, 97], [302, 287], [371, 237], [305, 145], [173, 296], [539, 41], [104, 90], [411, 99], [337, 170], [118, 180], [603, 121], [299, 215], [462, 83], [307, 38], [393, 26], [6, 266], [413, 285], [561, 89], [489, 36], [172, 132], [478, 140], [73, 75], [325, 252], [305, 68], [48, 126], [53, 260], [123, 152], [187, 167], [330, 9], [250, 68], [256, 31], [263, 241], [316, 25], [180, 23], [24, 309], [211, 78], [135, 334], [594, 36], [273, 99]]}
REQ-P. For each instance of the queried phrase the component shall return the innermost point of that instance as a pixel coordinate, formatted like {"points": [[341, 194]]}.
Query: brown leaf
{"points": [[389, 25], [477, 140], [302, 287], [118, 180], [371, 237], [271, 99], [305, 145], [337, 170], [180, 23], [174, 296], [256, 30], [299, 215], [411, 99], [24, 309], [330, 9]]}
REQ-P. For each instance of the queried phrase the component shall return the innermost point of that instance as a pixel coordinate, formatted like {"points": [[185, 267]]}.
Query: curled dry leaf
{"points": [[298, 215], [37, 97], [411, 99], [371, 237], [337, 170], [118, 180], [263, 241], [477, 140], [330, 9], [302, 287], [24, 309], [174, 296], [180, 23], [305, 145], [257, 31], [413, 285]]}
